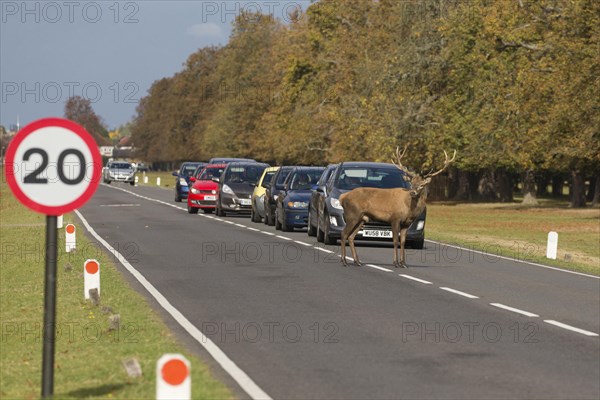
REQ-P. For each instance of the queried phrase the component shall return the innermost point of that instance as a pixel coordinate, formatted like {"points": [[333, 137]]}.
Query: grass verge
{"points": [[167, 180], [89, 357], [514, 231]]}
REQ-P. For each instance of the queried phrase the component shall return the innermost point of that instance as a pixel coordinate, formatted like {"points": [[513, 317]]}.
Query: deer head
{"points": [[419, 183]]}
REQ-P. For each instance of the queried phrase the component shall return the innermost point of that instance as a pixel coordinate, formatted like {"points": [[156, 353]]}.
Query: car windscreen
{"points": [[244, 173], [282, 176], [376, 177], [304, 180], [121, 166], [188, 170], [210, 173], [267, 177]]}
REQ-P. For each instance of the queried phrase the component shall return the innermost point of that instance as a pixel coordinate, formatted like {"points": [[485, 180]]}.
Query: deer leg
{"points": [[344, 236], [348, 234], [402, 242], [351, 242], [395, 229]]}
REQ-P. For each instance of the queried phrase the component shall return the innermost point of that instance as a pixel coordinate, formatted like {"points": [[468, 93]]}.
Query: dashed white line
{"points": [[283, 237], [569, 327], [324, 250], [516, 310], [470, 296], [378, 267], [268, 233], [229, 222], [415, 279], [253, 229], [303, 243], [240, 225]]}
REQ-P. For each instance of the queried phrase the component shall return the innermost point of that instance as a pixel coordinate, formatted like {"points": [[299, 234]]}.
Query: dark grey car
{"points": [[236, 185]]}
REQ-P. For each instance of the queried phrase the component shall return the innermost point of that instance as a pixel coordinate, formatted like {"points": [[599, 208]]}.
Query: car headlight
{"points": [[335, 203], [182, 182], [111, 174], [227, 189], [275, 197], [420, 225], [297, 204], [213, 191], [194, 190]]}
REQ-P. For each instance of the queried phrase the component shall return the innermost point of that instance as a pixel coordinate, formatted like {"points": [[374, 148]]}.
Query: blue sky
{"points": [[107, 51]]}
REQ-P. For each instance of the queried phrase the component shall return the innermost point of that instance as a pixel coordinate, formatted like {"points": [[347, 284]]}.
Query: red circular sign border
{"points": [[79, 131]]}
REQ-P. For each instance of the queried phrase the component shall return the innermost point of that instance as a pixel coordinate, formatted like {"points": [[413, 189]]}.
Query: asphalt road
{"points": [[300, 325]]}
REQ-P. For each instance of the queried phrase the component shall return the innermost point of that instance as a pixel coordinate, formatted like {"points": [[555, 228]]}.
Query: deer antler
{"points": [[399, 165], [447, 162]]}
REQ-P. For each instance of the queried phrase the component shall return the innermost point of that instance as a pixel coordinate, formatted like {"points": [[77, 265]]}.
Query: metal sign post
{"points": [[49, 308]]}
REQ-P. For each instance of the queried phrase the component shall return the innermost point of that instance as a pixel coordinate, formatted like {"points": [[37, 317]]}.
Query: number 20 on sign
{"points": [[52, 166]]}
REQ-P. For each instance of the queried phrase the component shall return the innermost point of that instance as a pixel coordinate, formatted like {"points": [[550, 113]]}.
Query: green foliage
{"points": [[509, 84]]}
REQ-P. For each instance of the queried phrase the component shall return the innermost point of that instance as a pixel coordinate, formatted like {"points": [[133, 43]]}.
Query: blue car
{"points": [[182, 181], [292, 202]]}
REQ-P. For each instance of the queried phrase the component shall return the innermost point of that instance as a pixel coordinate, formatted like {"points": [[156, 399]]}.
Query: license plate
{"points": [[375, 233], [245, 202], [209, 198]]}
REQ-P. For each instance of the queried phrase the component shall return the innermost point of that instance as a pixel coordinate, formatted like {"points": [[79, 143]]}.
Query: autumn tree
{"points": [[80, 110]]}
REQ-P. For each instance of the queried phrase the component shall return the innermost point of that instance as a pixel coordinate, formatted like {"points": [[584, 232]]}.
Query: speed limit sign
{"points": [[53, 166]]}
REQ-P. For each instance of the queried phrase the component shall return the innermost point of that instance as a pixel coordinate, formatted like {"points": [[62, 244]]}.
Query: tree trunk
{"points": [[577, 190], [463, 192], [504, 186], [542, 185], [596, 199], [529, 191], [558, 182], [591, 189], [486, 187], [452, 183]]}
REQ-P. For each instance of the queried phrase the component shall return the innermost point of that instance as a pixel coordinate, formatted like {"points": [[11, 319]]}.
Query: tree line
{"points": [[513, 85]]}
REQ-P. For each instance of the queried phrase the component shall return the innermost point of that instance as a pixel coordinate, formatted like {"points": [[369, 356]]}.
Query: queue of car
{"points": [[290, 197]]}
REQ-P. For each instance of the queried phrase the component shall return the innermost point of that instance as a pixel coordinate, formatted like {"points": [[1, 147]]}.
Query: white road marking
{"points": [[415, 279], [268, 233], [303, 243], [378, 267], [526, 313], [470, 296], [119, 205], [282, 237], [229, 222], [253, 229], [323, 250], [245, 382], [240, 225], [519, 261], [569, 327]]}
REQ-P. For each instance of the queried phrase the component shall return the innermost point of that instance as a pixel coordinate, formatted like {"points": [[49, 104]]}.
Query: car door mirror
{"points": [[175, 173], [193, 179], [215, 179]]}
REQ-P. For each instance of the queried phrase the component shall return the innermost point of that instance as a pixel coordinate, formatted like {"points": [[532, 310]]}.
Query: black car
{"points": [[182, 181], [351, 175], [317, 198], [292, 202], [272, 190], [236, 185]]}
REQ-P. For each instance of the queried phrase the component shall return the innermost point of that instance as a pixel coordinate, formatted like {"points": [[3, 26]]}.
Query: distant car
{"points": [[182, 181], [203, 190], [317, 198], [236, 185], [292, 202], [142, 167], [258, 195], [272, 191], [119, 171], [351, 175], [225, 160]]}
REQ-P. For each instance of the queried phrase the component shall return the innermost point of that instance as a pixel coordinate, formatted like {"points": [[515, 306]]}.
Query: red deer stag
{"points": [[399, 207]]}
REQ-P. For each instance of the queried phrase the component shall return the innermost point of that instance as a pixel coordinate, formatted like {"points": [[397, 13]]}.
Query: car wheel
{"points": [[266, 219], [254, 217], [192, 210], [207, 211], [177, 198], [132, 183], [277, 222], [312, 231], [220, 212], [284, 225], [326, 238], [320, 234], [108, 182], [272, 218]]}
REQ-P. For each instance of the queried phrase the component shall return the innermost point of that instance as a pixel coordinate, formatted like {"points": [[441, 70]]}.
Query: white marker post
{"points": [[157, 181], [173, 380], [59, 222], [145, 179], [552, 247], [137, 179], [91, 277], [70, 242]]}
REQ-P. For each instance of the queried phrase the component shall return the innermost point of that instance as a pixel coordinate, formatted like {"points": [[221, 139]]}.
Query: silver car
{"points": [[119, 171]]}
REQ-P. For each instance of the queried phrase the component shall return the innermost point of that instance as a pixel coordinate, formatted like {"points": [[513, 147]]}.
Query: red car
{"points": [[204, 191]]}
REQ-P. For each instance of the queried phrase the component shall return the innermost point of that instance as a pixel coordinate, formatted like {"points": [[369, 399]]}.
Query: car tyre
{"points": [[284, 225], [418, 244], [254, 216], [220, 212], [207, 211], [272, 218], [132, 183], [320, 234], [177, 198], [192, 210], [277, 222], [312, 231], [107, 182]]}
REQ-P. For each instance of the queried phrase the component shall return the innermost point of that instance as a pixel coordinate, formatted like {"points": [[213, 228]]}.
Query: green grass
{"points": [[166, 179], [88, 356], [521, 232]]}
